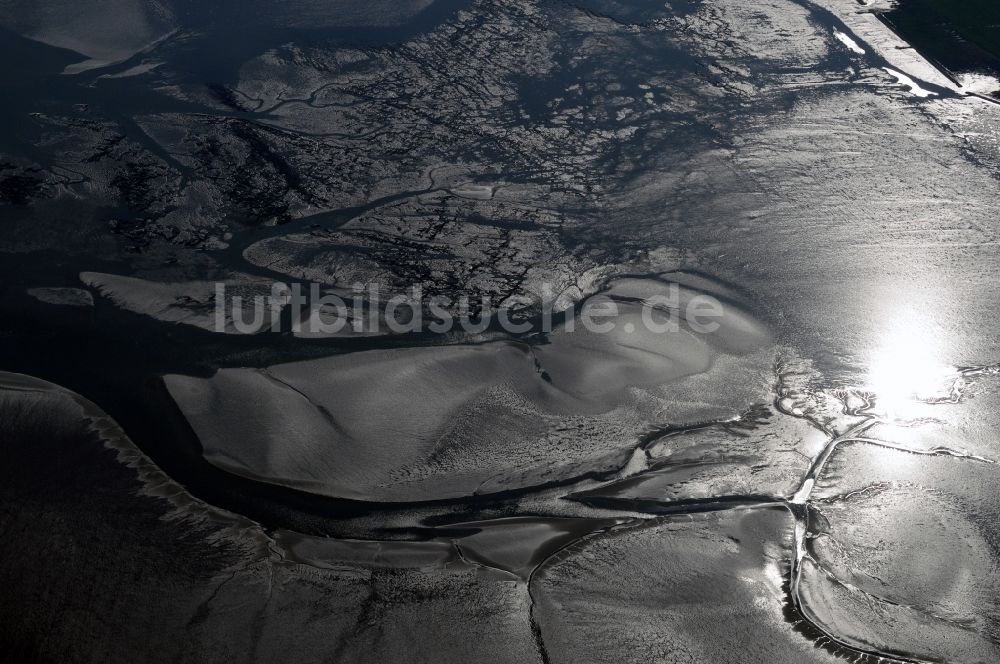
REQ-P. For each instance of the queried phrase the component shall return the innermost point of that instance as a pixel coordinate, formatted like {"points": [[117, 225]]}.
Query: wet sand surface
{"points": [[814, 480]]}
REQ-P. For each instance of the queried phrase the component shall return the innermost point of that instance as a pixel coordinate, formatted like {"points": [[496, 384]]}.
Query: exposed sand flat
{"points": [[74, 297], [205, 581], [630, 596], [765, 455], [512, 547], [111, 31], [449, 421], [87, 29], [903, 553], [846, 449], [192, 302]]}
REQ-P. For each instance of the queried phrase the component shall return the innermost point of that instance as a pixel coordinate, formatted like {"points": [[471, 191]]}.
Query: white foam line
{"points": [[906, 81], [848, 42]]}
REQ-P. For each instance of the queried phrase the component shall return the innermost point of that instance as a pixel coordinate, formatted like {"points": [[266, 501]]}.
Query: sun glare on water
{"points": [[905, 373]]}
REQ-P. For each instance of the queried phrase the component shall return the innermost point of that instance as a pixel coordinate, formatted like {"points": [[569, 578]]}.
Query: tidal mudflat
{"points": [[812, 479]]}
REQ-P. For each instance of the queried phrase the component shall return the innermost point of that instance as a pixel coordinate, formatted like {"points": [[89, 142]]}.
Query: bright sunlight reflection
{"points": [[905, 371]]}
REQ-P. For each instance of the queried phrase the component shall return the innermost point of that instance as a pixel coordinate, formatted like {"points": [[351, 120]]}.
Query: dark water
{"points": [[959, 35]]}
